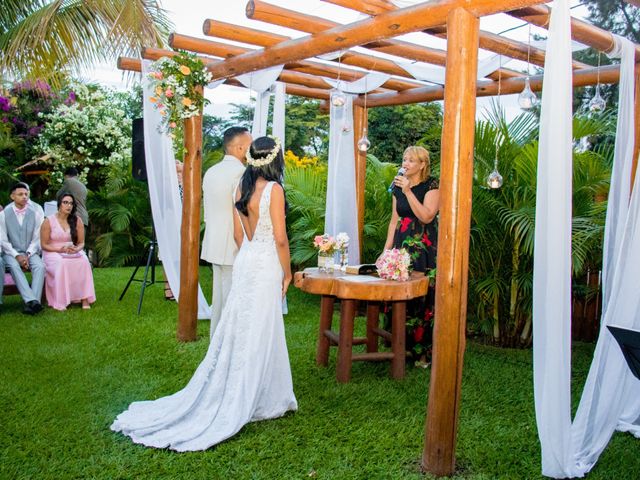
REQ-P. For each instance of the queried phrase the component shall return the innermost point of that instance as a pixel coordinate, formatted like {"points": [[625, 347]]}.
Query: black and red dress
{"points": [[421, 241]]}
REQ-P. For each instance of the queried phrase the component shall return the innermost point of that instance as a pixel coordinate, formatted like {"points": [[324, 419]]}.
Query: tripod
{"points": [[150, 253]]}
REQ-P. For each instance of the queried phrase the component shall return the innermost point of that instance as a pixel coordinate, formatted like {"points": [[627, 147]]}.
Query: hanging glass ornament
{"points": [[364, 143], [338, 98], [527, 99], [494, 180], [597, 103]]}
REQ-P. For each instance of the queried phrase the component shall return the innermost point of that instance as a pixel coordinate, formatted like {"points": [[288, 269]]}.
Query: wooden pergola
{"points": [[458, 22]]}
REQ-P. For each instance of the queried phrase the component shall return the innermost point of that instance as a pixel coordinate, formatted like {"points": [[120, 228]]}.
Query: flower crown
{"points": [[261, 162]]}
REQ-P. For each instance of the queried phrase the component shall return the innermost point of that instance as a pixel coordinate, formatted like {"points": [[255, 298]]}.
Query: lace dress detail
{"points": [[245, 375]]}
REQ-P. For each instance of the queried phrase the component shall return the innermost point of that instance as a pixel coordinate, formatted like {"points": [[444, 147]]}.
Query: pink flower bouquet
{"points": [[325, 244], [394, 264]]}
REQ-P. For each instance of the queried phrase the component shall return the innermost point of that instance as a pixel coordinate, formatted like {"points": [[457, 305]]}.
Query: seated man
{"points": [[20, 241]]}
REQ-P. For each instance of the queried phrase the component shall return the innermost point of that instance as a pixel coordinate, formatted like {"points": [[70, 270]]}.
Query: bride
{"points": [[245, 375]]}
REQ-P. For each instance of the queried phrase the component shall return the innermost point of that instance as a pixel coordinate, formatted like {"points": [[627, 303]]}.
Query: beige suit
{"points": [[218, 245]]}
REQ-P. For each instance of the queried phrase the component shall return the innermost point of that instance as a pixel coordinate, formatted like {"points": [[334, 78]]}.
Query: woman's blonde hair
{"points": [[422, 155]]}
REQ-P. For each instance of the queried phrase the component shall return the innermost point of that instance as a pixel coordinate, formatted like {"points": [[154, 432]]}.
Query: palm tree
{"points": [[502, 239], [51, 39]]}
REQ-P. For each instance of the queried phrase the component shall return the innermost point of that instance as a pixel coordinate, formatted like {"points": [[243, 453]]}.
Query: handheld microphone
{"points": [[401, 171]]}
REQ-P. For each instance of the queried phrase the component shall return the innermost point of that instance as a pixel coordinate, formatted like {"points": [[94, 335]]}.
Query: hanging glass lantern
{"points": [[338, 98], [494, 180], [527, 99], [597, 103], [364, 143]]}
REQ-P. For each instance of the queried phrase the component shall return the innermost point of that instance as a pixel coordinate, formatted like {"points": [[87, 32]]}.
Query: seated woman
{"points": [[69, 278], [413, 226]]}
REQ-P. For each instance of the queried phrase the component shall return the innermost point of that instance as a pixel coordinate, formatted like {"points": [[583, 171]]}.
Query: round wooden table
{"points": [[373, 290]]}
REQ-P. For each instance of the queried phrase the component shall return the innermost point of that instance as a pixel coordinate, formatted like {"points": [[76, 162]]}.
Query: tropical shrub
{"points": [[503, 220], [91, 134]]}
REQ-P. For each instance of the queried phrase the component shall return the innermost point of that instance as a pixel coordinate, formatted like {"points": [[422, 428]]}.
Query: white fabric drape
{"points": [[552, 255], [369, 82], [341, 211], [435, 74], [278, 111], [611, 397], [261, 82], [164, 196]]}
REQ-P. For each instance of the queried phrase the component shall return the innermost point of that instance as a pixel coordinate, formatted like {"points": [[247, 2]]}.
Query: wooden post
{"points": [[190, 231], [359, 124], [453, 243]]}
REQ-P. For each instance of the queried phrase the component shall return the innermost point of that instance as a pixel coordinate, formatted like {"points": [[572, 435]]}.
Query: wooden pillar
{"points": [[636, 147], [359, 124], [453, 243], [190, 230]]}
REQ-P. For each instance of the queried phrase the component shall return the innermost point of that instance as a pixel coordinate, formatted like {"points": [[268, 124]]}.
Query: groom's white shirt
{"points": [[218, 185]]}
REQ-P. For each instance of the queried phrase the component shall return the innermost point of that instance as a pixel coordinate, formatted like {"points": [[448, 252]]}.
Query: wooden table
{"points": [[348, 289]]}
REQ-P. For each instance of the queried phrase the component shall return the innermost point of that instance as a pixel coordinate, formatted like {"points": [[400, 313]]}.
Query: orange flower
{"points": [[172, 125], [153, 99], [159, 91], [186, 101], [185, 70]]}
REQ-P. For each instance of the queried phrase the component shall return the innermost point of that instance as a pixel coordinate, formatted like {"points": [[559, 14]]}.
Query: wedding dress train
{"points": [[245, 375]]}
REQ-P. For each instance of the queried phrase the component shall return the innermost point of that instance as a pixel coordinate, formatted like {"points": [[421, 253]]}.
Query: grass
{"points": [[66, 375]]}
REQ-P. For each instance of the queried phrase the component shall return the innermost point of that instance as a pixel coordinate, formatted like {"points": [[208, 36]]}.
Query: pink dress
{"points": [[69, 278]]}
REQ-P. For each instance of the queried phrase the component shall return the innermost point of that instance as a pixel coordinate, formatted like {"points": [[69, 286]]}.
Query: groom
{"points": [[218, 185]]}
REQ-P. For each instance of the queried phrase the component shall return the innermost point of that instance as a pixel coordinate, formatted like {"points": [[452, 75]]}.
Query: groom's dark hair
{"points": [[230, 134]]}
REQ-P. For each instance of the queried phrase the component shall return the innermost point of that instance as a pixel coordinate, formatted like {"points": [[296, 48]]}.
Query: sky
{"points": [[189, 15]]}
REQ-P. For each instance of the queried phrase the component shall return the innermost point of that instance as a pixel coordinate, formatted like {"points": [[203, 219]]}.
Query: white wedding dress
{"points": [[245, 375]]}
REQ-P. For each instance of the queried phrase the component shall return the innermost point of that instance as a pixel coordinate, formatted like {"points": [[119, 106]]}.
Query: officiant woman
{"points": [[414, 226]]}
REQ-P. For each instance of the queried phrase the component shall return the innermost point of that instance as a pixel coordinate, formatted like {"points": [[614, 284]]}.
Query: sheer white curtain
{"points": [[261, 82], [611, 397], [552, 256], [164, 196], [341, 213]]}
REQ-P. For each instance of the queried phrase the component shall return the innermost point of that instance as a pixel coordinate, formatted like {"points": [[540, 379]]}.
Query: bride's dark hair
{"points": [[271, 172]]}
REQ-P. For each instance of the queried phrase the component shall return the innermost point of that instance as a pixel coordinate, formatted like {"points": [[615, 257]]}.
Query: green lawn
{"points": [[66, 375]]}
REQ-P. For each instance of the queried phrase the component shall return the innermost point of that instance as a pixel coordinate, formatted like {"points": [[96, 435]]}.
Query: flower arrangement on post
{"points": [[175, 83], [394, 264], [326, 246], [342, 246]]}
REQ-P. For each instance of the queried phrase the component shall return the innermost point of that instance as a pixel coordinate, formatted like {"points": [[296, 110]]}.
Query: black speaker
{"points": [[138, 165]]}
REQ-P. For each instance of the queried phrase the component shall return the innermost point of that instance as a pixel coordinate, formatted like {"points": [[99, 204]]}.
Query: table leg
{"points": [[326, 316], [398, 320], [373, 320], [345, 345]]}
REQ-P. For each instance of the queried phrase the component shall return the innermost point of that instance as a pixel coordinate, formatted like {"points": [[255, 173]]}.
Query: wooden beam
{"points": [[135, 65], [224, 50], [265, 39], [486, 88], [406, 20], [359, 124], [190, 230], [454, 228], [280, 16], [581, 31], [488, 41]]}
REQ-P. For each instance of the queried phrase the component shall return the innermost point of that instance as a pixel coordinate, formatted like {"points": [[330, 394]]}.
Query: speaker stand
{"points": [[150, 253]]}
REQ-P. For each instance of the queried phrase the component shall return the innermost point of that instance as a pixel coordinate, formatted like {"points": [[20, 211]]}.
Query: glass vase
{"points": [[344, 259], [325, 262]]}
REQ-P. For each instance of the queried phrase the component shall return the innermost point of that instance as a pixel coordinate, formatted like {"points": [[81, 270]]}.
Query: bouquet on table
{"points": [[326, 246], [394, 264]]}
